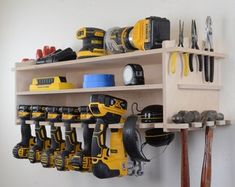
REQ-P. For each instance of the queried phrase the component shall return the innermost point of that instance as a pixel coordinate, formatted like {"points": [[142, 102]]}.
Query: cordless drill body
{"points": [[38, 113], [63, 159], [57, 142], [108, 162], [82, 159], [27, 140]]}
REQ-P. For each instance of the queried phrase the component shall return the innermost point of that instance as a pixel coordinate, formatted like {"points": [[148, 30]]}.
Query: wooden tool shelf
{"points": [[174, 91]]}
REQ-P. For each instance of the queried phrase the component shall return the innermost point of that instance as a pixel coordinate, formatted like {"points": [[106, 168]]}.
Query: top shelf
{"points": [[115, 59]]}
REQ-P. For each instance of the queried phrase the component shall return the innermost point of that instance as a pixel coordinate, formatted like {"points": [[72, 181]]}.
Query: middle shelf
{"points": [[100, 89]]}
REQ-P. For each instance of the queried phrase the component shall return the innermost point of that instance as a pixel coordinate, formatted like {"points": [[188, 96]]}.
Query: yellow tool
{"points": [[50, 83], [92, 42], [57, 143], [63, 159], [27, 140], [43, 142], [82, 160], [108, 162], [184, 57]]}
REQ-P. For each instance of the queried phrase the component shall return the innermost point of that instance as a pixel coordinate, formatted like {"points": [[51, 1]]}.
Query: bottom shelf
{"points": [[167, 127]]}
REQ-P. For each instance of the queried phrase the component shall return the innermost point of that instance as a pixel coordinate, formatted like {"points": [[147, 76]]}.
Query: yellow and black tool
{"points": [[108, 162], [82, 159], [184, 56], [63, 159], [27, 140], [50, 83], [93, 39], [148, 33], [38, 113], [57, 142]]}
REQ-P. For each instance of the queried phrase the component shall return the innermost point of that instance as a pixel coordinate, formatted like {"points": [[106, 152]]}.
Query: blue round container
{"points": [[98, 80]]}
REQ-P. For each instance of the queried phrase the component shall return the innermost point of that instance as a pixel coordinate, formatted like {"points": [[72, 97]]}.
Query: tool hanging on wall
{"points": [[209, 66], [82, 161], [148, 33], [184, 56], [57, 142], [207, 163], [63, 159], [93, 42], [50, 83], [133, 74], [27, 140], [194, 38], [38, 113], [112, 161]]}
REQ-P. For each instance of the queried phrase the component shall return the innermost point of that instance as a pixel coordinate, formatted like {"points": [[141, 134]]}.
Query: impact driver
{"points": [[27, 140], [63, 159], [108, 162], [57, 143], [82, 160], [38, 113]]}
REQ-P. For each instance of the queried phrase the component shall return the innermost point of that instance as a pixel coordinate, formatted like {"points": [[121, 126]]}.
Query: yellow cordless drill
{"points": [[63, 159], [27, 140], [108, 162], [38, 113], [57, 143], [82, 159]]}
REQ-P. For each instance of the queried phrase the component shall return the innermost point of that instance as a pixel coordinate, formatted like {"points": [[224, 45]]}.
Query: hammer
{"points": [[209, 115]]}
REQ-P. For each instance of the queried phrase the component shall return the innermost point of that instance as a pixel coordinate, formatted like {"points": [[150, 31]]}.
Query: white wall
{"points": [[29, 24]]}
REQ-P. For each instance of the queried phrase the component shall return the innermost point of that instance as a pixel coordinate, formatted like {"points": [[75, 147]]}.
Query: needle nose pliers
{"points": [[209, 68], [194, 38]]}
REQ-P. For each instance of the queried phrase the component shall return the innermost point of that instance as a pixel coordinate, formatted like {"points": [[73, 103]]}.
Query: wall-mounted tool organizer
{"points": [[174, 91]]}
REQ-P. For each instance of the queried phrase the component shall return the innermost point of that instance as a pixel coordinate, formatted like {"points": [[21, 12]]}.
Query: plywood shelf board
{"points": [[112, 59], [92, 90]]}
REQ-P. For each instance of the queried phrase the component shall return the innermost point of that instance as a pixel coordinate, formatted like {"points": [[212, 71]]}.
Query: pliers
{"points": [[194, 38], [184, 58], [209, 76]]}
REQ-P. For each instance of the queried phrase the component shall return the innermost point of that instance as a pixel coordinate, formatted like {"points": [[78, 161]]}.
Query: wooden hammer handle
{"points": [[206, 167], [185, 178]]}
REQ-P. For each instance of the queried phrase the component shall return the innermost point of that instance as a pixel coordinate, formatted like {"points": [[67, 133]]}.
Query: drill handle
{"points": [[56, 137], [99, 138], [70, 138], [25, 132], [87, 138], [41, 134]]}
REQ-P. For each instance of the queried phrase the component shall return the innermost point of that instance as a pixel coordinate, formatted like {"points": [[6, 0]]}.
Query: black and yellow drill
{"points": [[82, 159], [93, 42], [63, 159], [38, 113], [27, 140], [57, 142], [108, 162]]}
